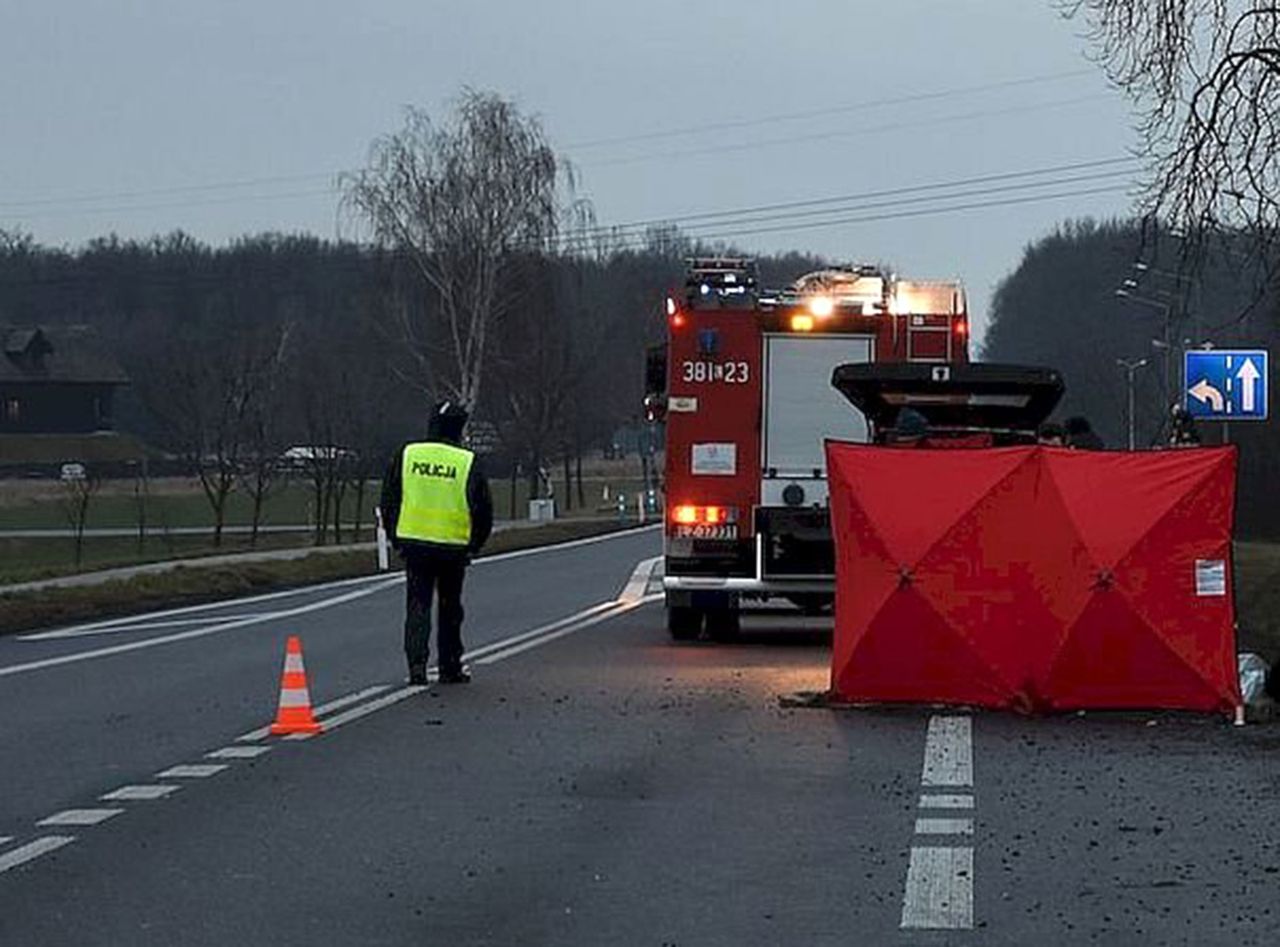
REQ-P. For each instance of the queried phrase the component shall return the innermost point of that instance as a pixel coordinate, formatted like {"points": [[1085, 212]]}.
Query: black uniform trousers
{"points": [[427, 573]]}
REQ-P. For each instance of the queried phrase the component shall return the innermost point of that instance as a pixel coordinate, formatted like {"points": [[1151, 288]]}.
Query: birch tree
{"points": [[458, 201]]}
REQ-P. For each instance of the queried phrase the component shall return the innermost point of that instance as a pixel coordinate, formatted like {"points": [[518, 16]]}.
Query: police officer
{"points": [[438, 512]]}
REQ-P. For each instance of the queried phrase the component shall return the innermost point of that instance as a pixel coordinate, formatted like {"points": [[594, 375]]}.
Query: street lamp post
{"points": [[1131, 366]]}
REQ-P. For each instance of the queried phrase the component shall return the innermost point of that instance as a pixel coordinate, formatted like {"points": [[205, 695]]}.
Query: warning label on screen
{"points": [[1211, 577]]}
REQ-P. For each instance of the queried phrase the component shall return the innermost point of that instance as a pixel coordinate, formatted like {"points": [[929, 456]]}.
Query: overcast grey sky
{"points": [[145, 117]]}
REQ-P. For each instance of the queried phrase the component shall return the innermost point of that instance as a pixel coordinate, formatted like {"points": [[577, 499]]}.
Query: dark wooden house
{"points": [[58, 380]]}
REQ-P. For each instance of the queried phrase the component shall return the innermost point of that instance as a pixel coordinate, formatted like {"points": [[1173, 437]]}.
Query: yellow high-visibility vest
{"points": [[433, 495]]}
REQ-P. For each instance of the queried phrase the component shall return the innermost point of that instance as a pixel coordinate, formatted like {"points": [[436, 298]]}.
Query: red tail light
{"points": [[688, 515]]}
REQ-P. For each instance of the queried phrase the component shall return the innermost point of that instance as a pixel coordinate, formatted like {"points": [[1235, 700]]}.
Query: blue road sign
{"points": [[1226, 384]]}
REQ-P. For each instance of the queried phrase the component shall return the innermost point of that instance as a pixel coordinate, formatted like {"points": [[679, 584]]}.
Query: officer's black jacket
{"points": [[479, 500]]}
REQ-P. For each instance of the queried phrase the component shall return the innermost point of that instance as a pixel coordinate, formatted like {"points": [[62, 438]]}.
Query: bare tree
{"points": [[260, 472], [456, 201], [203, 392], [79, 484], [1205, 75]]}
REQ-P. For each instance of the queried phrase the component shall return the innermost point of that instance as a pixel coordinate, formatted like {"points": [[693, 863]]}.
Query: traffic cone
{"points": [[294, 715]]}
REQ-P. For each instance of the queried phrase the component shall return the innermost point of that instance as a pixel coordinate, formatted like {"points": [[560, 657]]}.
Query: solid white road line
{"points": [[140, 626], [41, 846], [333, 723], [944, 826], [5, 839], [569, 630], [948, 752], [238, 752], [139, 793], [263, 732], [390, 578], [80, 817], [638, 584], [946, 802], [76, 631], [193, 771], [939, 893], [186, 635]]}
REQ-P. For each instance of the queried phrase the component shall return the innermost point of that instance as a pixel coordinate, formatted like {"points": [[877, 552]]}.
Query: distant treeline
{"points": [[312, 333], [1061, 308]]}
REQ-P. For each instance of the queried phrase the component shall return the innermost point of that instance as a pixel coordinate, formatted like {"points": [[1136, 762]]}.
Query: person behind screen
{"points": [[1081, 435], [1051, 434]]}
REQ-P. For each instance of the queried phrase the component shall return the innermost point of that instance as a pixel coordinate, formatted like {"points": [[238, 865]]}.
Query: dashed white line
{"points": [[948, 752], [5, 839], [946, 802], [193, 771], [939, 893], [139, 793], [80, 817], [32, 850], [238, 752], [944, 826]]}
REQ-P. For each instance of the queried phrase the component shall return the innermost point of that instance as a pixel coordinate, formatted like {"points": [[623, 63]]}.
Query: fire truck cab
{"points": [[744, 386]]}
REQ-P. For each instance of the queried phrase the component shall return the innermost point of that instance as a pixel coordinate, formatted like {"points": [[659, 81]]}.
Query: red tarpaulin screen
{"points": [[1034, 578]]}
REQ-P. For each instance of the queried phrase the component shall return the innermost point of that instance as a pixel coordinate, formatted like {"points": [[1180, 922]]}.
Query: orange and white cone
{"points": [[294, 714]]}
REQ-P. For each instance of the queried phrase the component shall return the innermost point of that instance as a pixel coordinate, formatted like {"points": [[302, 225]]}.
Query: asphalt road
{"points": [[595, 785]]}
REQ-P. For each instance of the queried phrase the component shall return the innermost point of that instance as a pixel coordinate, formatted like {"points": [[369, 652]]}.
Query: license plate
{"points": [[707, 531]]}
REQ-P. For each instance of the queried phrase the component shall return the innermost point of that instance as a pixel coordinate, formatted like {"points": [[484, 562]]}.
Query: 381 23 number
{"points": [[731, 373]]}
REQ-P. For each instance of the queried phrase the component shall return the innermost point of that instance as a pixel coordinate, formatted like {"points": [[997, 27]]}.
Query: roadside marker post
{"points": [[380, 533]]}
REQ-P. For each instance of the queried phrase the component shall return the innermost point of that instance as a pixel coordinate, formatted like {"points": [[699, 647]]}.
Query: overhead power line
{"points": [[730, 234], [835, 134], [1122, 165], [657, 135], [776, 118]]}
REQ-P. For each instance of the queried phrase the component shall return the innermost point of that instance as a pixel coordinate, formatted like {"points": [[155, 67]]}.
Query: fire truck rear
{"points": [[745, 389]]}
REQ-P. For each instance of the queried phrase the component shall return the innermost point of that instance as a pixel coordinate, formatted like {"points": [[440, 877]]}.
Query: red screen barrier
{"points": [[1034, 578]]}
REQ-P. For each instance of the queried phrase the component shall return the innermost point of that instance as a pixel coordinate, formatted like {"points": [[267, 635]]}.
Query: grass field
{"points": [[173, 503], [192, 584]]}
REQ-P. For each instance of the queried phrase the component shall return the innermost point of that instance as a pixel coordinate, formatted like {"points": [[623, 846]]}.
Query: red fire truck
{"points": [[744, 385]]}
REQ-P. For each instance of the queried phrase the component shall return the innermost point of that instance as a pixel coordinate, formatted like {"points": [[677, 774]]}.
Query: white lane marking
{"points": [[32, 850], [5, 839], [939, 893], [636, 586], [497, 651], [263, 732], [75, 631], [139, 626], [617, 610], [944, 826], [333, 723], [138, 793], [946, 802], [187, 635], [432, 674], [193, 771], [80, 817], [392, 578], [948, 752], [238, 752]]}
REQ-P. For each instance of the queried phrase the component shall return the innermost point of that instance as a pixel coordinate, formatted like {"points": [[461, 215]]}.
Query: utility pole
{"points": [[1131, 366]]}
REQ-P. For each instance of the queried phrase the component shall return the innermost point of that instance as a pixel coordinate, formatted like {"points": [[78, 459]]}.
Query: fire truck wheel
{"points": [[723, 624], [683, 622]]}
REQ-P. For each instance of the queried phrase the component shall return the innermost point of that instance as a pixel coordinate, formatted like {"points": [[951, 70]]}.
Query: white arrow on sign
{"points": [[1205, 393], [1248, 374]]}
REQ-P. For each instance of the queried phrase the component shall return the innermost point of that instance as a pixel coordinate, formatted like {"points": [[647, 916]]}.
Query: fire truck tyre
{"points": [[723, 624], [683, 622], [813, 603]]}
